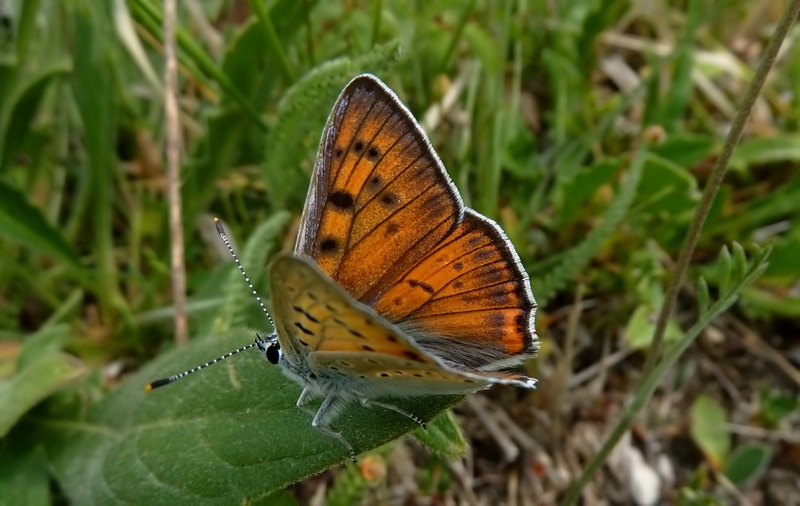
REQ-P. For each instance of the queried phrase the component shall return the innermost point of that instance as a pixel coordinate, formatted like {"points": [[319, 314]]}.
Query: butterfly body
{"points": [[395, 288]]}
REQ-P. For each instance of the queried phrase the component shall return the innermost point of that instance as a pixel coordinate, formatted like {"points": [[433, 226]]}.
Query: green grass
{"points": [[544, 136]]}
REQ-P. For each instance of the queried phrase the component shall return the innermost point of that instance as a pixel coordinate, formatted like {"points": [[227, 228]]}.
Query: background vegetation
{"points": [[588, 130]]}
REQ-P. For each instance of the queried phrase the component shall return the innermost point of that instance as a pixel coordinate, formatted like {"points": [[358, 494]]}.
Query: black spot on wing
{"points": [[341, 199], [328, 245]]}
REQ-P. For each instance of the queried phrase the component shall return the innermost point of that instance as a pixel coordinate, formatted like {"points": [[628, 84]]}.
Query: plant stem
{"points": [[173, 152]]}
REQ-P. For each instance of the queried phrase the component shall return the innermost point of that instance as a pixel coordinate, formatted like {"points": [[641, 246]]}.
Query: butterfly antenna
{"points": [[224, 237], [259, 342]]}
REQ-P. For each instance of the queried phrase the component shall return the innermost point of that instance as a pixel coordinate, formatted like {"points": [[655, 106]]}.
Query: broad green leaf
{"points": [[443, 436], [747, 463], [765, 150], [46, 341], [23, 475], [709, 430], [24, 223], [685, 149], [230, 434], [666, 190], [37, 381]]}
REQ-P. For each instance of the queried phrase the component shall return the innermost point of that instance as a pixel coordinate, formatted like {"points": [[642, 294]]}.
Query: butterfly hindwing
{"points": [[468, 298], [340, 336]]}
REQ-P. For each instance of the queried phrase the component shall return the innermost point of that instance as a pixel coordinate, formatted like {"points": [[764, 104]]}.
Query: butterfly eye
{"points": [[273, 353]]}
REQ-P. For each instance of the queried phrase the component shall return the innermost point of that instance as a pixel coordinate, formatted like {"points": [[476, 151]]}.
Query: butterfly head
{"points": [[270, 347]]}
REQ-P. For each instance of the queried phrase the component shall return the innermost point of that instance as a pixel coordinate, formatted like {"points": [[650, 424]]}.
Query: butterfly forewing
{"points": [[382, 199], [385, 222]]}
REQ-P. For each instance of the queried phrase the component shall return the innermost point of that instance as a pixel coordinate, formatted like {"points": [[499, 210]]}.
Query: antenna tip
{"points": [[218, 225], [158, 383]]}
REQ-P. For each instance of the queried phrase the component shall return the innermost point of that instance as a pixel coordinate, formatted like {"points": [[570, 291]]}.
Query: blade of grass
{"points": [[377, 8], [265, 22], [96, 99]]}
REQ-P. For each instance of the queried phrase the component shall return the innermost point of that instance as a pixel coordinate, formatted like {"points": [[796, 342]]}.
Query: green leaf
{"points": [[783, 264], [46, 341], [37, 381], [98, 106], [760, 151], [443, 436], [667, 189], [747, 463], [708, 426], [641, 326], [22, 111], [24, 223], [23, 475], [765, 303], [724, 268], [578, 191], [685, 149], [739, 261], [775, 406], [483, 46], [227, 435], [703, 296], [681, 84]]}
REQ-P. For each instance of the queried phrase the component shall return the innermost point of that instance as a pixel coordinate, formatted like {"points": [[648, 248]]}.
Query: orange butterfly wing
{"points": [[379, 199], [384, 220]]}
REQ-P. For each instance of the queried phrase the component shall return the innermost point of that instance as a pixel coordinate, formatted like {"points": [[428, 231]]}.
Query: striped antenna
{"points": [[259, 343], [227, 242]]}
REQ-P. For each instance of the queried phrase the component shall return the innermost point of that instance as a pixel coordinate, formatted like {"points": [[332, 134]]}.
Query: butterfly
{"points": [[395, 288]]}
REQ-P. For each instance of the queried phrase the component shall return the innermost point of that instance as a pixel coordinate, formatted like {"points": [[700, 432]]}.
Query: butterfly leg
{"points": [[303, 401], [392, 407], [327, 412]]}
